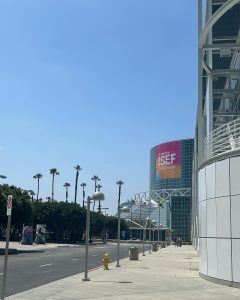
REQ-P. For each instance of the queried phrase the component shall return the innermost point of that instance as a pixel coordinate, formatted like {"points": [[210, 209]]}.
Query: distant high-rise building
{"points": [[171, 170]]}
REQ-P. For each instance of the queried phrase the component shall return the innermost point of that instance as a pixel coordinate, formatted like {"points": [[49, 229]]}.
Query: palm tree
{"points": [[95, 178], [53, 172], [31, 193], [99, 202], [83, 186], [78, 168], [67, 185], [38, 176]]}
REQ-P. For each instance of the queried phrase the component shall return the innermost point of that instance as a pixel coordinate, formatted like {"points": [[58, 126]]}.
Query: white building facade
{"points": [[216, 165]]}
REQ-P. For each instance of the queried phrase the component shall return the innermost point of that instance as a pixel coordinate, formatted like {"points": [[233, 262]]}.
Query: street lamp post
{"points": [[119, 183], [97, 196], [159, 205], [144, 234], [126, 210], [105, 210], [153, 228]]}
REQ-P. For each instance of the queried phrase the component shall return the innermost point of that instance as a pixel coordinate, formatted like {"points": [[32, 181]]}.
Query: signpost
{"points": [[9, 214]]}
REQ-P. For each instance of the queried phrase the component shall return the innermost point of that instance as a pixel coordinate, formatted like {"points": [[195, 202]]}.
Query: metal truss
{"points": [[208, 27], [160, 196], [150, 203]]}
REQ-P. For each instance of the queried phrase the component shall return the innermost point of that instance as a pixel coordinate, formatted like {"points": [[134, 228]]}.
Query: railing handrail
{"points": [[223, 139]]}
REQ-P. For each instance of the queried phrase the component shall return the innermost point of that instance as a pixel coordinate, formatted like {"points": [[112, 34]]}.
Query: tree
{"points": [[53, 172], [78, 168], [38, 176], [31, 193], [95, 178], [21, 211], [67, 185], [83, 186]]}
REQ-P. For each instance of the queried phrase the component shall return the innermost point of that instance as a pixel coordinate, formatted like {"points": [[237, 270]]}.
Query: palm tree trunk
{"points": [[38, 189], [83, 197], [76, 183], [52, 187], [95, 192]]}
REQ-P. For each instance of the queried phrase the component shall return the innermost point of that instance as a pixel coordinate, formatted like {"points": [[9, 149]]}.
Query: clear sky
{"points": [[95, 83]]}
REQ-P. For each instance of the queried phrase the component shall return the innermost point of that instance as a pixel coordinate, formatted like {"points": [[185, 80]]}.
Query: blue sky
{"points": [[95, 83]]}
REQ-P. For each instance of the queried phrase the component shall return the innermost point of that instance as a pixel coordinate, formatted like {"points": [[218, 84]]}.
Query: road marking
{"points": [[1, 274], [74, 259], [42, 266], [94, 255]]}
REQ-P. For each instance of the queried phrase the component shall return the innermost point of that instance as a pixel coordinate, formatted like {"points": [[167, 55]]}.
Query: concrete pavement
{"points": [[170, 273]]}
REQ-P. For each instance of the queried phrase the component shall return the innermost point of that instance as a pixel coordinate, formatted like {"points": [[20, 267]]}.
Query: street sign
{"points": [[9, 205]]}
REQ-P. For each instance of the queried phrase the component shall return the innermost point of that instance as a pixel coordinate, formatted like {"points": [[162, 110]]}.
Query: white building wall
{"points": [[219, 219]]}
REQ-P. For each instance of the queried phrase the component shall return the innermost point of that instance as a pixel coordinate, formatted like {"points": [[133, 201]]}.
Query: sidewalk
{"points": [[170, 273], [16, 247]]}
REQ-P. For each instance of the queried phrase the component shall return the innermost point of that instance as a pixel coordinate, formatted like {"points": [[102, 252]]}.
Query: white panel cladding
{"points": [[222, 178], [224, 259], [203, 256], [223, 217], [211, 218], [201, 185], [212, 257], [210, 181], [235, 175], [202, 219], [236, 260], [235, 216]]}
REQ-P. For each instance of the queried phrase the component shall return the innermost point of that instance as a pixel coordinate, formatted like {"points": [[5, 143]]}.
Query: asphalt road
{"points": [[29, 270]]}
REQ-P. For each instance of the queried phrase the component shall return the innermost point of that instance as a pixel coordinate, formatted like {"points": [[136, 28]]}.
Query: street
{"points": [[29, 270]]}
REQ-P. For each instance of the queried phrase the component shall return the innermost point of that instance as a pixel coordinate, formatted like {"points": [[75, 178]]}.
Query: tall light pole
{"points": [[159, 206], [153, 229], [105, 210], [144, 234], [126, 210], [83, 185], [149, 231], [97, 196], [119, 183]]}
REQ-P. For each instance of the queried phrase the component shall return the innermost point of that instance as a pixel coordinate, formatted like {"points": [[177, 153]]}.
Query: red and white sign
{"points": [[9, 205]]}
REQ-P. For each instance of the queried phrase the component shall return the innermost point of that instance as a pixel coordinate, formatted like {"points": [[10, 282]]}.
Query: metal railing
{"points": [[224, 139]]}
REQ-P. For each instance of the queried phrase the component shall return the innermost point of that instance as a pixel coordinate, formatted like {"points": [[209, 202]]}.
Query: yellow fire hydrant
{"points": [[106, 260]]}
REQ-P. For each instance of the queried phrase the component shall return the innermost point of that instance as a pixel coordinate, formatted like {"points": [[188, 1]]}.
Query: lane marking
{"points": [[94, 255], [1, 274], [74, 259], [46, 265]]}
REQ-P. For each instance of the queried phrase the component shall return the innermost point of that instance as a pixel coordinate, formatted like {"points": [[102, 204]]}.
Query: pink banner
{"points": [[168, 160]]}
